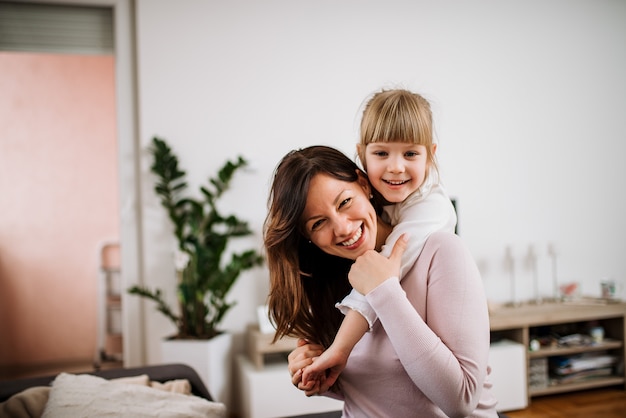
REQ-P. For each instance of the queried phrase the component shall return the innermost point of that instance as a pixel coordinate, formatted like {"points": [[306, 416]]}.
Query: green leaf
{"points": [[204, 233]]}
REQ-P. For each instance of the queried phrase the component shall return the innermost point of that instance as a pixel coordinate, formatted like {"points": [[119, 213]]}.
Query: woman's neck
{"points": [[384, 229]]}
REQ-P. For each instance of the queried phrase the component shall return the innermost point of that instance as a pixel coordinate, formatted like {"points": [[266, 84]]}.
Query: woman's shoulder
{"points": [[445, 241], [447, 252], [445, 236]]}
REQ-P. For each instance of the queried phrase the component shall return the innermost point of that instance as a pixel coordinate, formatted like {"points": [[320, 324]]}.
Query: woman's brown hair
{"points": [[305, 282]]}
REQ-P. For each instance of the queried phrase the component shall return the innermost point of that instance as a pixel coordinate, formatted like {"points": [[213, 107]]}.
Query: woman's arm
{"points": [[441, 337]]}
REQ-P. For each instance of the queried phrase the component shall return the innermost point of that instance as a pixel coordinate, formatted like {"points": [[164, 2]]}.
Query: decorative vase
{"points": [[212, 359]]}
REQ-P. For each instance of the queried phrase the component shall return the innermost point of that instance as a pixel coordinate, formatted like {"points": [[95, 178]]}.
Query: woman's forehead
{"points": [[326, 187]]}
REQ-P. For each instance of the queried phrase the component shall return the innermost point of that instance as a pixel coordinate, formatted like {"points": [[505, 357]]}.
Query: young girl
{"points": [[397, 151]]}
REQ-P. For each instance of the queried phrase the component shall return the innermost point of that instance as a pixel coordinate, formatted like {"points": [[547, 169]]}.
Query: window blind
{"points": [[37, 27]]}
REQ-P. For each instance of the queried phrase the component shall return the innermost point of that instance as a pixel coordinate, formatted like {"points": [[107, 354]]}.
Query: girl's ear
{"points": [[364, 182], [434, 149], [360, 152]]}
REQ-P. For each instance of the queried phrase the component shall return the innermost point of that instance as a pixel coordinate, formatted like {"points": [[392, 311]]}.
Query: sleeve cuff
{"points": [[357, 302]]}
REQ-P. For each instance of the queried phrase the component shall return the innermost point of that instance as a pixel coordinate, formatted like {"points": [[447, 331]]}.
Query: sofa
{"points": [[38, 389], [172, 390]]}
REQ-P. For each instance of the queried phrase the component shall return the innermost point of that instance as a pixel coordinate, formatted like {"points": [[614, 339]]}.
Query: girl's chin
{"points": [[395, 197]]}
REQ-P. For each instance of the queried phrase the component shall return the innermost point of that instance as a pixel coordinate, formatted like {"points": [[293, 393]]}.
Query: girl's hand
{"points": [[372, 268], [301, 357], [325, 369]]}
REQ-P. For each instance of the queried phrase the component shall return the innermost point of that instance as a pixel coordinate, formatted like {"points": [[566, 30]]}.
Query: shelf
{"points": [[552, 313], [260, 345], [110, 346], [563, 351], [114, 300], [522, 323], [570, 387]]}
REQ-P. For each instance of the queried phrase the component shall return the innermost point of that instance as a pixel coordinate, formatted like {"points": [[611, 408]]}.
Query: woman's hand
{"points": [[372, 268], [301, 357]]}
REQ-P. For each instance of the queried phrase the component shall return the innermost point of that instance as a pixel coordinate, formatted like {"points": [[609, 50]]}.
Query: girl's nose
{"points": [[395, 165]]}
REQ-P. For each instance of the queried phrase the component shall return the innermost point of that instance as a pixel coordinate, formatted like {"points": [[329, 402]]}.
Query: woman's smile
{"points": [[355, 238]]}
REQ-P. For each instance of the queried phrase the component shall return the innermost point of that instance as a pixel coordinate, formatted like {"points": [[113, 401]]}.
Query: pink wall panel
{"points": [[58, 202]]}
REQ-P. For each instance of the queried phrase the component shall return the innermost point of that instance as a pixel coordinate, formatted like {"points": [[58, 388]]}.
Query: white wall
{"points": [[528, 99]]}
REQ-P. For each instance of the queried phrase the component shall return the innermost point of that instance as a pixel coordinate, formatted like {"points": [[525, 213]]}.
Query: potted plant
{"points": [[204, 278]]}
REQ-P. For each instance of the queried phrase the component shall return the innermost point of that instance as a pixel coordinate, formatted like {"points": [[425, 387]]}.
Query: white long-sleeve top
{"points": [[425, 211], [427, 354]]}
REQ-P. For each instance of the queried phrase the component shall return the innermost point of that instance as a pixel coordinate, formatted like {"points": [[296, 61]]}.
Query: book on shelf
{"points": [[564, 366], [583, 375]]}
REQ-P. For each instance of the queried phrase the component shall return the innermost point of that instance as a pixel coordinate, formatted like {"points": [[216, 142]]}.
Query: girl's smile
{"points": [[396, 169]]}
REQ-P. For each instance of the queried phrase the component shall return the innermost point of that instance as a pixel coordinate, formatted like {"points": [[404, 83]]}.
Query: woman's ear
{"points": [[364, 182]]}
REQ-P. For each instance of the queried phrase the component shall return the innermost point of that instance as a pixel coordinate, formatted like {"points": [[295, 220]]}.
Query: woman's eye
{"points": [[317, 225], [344, 202]]}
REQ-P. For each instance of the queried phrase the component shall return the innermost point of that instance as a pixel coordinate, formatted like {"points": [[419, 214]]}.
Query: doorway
{"points": [[59, 177]]}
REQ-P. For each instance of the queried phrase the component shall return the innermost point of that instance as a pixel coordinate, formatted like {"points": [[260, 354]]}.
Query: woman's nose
{"points": [[342, 226]]}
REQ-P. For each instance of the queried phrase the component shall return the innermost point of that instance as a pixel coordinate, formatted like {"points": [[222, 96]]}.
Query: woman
{"points": [[427, 354]]}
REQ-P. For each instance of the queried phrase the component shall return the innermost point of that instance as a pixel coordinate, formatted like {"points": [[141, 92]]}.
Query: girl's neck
{"points": [[384, 229]]}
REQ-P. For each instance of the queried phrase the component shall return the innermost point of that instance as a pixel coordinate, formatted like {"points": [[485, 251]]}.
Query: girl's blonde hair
{"points": [[397, 116]]}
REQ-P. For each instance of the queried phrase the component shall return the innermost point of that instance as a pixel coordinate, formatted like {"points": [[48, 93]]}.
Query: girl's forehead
{"points": [[394, 145]]}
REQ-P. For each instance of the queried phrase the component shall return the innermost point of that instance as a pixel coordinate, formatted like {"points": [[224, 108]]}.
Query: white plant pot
{"points": [[212, 359]]}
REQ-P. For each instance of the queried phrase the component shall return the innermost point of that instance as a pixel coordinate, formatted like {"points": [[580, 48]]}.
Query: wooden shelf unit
{"points": [[520, 322]]}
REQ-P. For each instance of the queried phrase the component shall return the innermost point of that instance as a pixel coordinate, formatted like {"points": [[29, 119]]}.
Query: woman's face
{"points": [[338, 216]]}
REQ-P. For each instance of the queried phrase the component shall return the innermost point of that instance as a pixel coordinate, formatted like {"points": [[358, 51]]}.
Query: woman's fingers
{"points": [[296, 378], [302, 356], [302, 360], [313, 388]]}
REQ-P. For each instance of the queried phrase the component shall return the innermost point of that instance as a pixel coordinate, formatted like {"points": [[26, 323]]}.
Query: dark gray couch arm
{"points": [[159, 373]]}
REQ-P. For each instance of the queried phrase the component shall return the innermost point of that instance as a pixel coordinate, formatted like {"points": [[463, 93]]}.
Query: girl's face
{"points": [[396, 169], [338, 216]]}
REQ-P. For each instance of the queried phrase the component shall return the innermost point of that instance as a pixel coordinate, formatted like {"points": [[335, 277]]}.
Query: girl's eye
{"points": [[380, 153], [411, 154]]}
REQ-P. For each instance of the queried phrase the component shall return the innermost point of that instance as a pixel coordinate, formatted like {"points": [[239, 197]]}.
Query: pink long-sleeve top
{"points": [[427, 355]]}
